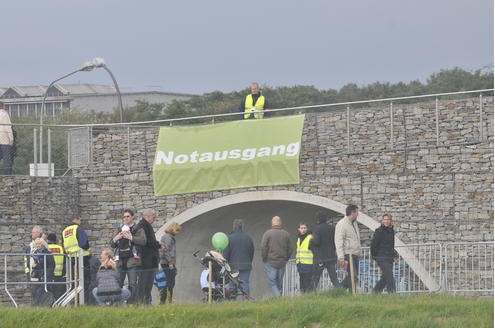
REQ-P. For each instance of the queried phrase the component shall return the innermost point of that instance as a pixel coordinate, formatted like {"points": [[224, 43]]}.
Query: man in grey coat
{"points": [[275, 252]]}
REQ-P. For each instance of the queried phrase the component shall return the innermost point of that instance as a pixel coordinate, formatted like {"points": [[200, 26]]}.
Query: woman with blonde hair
{"points": [[168, 260], [41, 260], [109, 287]]}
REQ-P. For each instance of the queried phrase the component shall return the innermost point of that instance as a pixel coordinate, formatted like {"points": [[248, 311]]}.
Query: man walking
{"points": [[239, 253], [323, 246], [149, 257], [275, 252], [383, 252], [348, 244]]}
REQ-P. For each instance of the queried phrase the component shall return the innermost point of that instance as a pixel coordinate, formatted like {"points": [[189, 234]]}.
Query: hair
{"points": [[350, 208], [173, 228], [42, 241], [110, 264], [128, 211], [148, 211], [387, 215], [52, 238], [320, 217], [238, 224], [276, 221], [37, 228], [303, 224]]}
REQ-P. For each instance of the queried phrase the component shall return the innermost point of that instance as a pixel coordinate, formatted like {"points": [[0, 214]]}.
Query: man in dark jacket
{"points": [[149, 257], [383, 252], [239, 253], [323, 246]]}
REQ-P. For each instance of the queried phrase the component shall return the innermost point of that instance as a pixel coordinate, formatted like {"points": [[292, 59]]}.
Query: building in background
{"points": [[21, 101]]}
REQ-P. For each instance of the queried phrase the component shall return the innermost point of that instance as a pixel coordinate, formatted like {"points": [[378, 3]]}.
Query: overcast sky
{"points": [[201, 46]]}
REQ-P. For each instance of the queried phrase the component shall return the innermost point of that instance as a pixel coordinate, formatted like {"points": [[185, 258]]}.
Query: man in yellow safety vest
{"points": [[304, 258], [254, 105], [59, 272]]}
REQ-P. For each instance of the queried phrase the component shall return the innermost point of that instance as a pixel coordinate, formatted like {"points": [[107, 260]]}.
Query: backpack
{"points": [[160, 280]]}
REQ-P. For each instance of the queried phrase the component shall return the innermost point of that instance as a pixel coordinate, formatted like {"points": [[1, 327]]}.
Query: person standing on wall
{"points": [[239, 254], [127, 244], [348, 244], [383, 252], [275, 252], [6, 141], [74, 239], [323, 246], [254, 105], [304, 258], [149, 257]]}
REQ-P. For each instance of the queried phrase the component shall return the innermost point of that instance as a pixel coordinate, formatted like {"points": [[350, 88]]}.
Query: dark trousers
{"points": [[132, 279], [331, 270], [6, 155], [387, 278], [145, 284], [58, 289], [305, 281], [347, 281], [86, 275], [168, 291]]}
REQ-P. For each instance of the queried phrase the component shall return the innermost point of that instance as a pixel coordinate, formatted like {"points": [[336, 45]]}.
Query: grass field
{"points": [[330, 309]]}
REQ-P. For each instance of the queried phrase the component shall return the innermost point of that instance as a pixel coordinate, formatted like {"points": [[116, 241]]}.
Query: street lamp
{"points": [[85, 67]]}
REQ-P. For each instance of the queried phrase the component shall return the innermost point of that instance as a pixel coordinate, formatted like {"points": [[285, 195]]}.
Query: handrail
{"points": [[213, 116]]}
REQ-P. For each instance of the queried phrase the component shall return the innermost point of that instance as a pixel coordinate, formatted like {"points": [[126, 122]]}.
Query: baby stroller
{"points": [[226, 285]]}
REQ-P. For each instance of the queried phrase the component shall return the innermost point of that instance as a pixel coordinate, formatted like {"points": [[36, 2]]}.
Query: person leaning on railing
{"points": [[254, 105]]}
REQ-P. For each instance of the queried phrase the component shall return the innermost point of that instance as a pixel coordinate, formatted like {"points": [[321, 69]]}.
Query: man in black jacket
{"points": [[239, 253], [323, 246], [149, 257], [383, 252]]}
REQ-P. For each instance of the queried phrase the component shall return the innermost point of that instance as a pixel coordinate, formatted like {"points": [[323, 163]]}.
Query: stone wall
{"points": [[439, 189]]}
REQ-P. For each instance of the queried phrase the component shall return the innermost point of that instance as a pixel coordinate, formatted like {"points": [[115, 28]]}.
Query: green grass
{"points": [[330, 309]]}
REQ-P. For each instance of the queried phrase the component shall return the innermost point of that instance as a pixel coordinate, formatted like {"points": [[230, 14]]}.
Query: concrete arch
{"points": [[285, 195]]}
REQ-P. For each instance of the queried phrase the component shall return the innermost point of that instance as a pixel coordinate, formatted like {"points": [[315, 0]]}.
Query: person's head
{"points": [[255, 88], [52, 238], [387, 219], [128, 217], [77, 220], [351, 212], [149, 215], [276, 221], [302, 228], [320, 217], [36, 232], [40, 243], [173, 228], [106, 259], [237, 225]]}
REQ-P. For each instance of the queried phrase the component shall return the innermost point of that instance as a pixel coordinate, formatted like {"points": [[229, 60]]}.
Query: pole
{"points": [[209, 282], [119, 96], [353, 283]]}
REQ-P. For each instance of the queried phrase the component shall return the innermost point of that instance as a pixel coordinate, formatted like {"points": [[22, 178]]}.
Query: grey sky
{"points": [[201, 46]]}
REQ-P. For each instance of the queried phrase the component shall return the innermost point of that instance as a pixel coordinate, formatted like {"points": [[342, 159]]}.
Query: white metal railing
{"points": [[452, 267]]}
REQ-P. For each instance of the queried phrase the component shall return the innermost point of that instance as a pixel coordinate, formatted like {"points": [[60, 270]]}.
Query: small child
{"points": [[124, 246]]}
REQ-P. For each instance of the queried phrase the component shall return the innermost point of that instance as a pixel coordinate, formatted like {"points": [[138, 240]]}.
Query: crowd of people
{"points": [[135, 256]]}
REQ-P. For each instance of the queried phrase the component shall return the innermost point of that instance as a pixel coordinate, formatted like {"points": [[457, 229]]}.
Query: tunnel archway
{"points": [[256, 209]]}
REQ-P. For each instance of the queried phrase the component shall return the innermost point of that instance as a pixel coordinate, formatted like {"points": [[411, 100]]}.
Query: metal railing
{"points": [[15, 281], [453, 267]]}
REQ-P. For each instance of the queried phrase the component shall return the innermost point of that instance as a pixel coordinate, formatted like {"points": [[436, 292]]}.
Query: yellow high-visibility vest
{"points": [[256, 109], [59, 259], [71, 244], [303, 254]]}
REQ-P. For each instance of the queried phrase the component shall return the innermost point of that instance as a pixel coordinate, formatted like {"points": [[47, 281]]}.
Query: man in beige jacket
{"points": [[6, 141], [348, 243]]}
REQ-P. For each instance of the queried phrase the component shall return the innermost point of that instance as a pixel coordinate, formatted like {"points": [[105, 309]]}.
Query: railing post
{"points": [[35, 149], [49, 141], [391, 125], [436, 120], [481, 117], [348, 129], [128, 148]]}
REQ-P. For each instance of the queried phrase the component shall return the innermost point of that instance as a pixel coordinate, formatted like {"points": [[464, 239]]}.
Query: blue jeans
{"points": [[244, 276], [119, 299], [275, 277], [132, 279]]}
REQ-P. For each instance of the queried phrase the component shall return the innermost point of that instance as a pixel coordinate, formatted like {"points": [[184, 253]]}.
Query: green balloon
{"points": [[219, 241]]}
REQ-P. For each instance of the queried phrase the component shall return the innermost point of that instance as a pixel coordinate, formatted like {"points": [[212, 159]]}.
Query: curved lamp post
{"points": [[85, 67]]}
